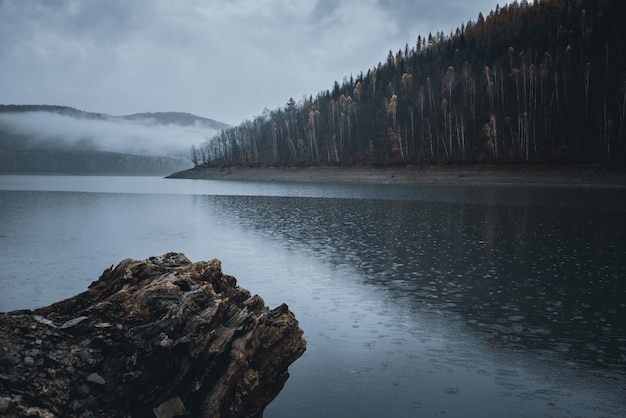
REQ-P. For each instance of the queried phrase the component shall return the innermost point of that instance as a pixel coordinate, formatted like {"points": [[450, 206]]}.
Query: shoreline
{"points": [[584, 176]]}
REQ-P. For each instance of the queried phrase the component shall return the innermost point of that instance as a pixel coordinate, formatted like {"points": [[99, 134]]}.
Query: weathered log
{"points": [[162, 337]]}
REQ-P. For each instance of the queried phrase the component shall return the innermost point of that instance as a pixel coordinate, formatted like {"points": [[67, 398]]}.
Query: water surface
{"points": [[415, 300]]}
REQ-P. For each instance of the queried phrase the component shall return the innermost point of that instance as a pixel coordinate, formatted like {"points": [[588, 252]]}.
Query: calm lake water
{"points": [[414, 300]]}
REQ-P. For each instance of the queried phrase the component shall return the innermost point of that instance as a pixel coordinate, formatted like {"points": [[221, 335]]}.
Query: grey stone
{"points": [[9, 359], [73, 322], [84, 355], [5, 404], [83, 390], [96, 378], [170, 408]]}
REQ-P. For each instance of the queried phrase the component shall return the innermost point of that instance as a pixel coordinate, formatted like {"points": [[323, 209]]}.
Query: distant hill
{"points": [[177, 118], [162, 118], [62, 110], [532, 81], [50, 138]]}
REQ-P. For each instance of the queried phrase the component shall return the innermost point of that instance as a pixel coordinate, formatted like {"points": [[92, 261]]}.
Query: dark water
{"points": [[415, 301]]}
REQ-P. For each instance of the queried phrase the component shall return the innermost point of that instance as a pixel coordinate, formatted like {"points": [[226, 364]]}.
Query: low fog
{"points": [[139, 137]]}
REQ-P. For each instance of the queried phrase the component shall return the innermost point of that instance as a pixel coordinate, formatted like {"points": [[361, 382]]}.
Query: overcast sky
{"points": [[222, 59]]}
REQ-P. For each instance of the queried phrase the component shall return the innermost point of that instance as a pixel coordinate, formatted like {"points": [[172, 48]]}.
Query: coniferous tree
{"points": [[540, 82]]}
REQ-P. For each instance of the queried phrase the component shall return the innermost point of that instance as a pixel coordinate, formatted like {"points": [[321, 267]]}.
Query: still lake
{"points": [[430, 300]]}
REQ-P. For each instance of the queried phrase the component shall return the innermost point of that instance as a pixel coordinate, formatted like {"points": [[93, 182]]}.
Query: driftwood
{"points": [[163, 337]]}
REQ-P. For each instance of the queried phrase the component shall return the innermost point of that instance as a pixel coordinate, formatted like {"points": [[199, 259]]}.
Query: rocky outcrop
{"points": [[163, 337]]}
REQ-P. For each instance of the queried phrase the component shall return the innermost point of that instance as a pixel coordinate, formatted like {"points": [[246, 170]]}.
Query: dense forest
{"points": [[530, 82]]}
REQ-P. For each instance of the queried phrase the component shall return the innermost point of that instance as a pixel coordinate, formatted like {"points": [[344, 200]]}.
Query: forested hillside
{"points": [[530, 82]]}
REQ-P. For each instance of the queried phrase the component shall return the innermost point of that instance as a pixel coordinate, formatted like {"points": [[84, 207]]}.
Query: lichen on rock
{"points": [[161, 337]]}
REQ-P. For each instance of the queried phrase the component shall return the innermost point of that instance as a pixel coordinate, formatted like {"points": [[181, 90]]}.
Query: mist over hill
{"points": [[176, 118], [45, 138]]}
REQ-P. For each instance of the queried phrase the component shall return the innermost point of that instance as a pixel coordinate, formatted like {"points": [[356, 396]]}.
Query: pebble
{"points": [[29, 361], [73, 322], [5, 404], [85, 355], [38, 412], [44, 321], [96, 378], [83, 390], [171, 408], [9, 360]]}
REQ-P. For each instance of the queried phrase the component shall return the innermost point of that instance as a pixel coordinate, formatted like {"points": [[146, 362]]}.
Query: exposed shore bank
{"points": [[548, 175]]}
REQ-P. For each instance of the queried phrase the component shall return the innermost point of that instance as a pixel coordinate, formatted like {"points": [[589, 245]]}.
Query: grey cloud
{"points": [[323, 10], [92, 21], [426, 16], [223, 59]]}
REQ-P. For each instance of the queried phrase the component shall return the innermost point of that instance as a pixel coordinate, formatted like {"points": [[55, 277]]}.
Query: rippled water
{"points": [[415, 300]]}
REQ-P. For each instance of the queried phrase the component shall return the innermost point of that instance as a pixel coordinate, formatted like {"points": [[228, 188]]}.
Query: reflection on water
{"points": [[415, 301], [546, 279], [524, 278]]}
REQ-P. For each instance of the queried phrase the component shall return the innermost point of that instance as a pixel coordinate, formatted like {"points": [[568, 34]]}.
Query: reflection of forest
{"points": [[532, 81], [543, 278]]}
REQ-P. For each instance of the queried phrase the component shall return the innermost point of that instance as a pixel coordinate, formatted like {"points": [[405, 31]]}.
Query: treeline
{"points": [[61, 110], [540, 82]]}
